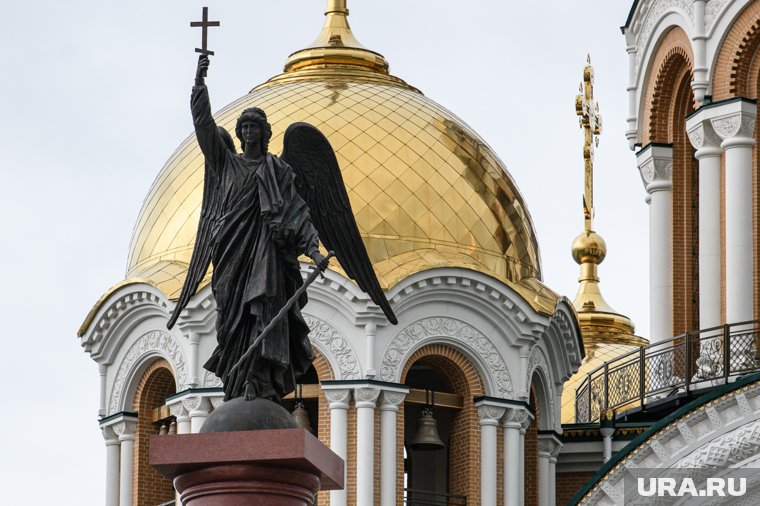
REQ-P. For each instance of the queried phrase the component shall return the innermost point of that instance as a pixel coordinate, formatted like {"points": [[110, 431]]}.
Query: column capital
{"points": [[655, 162], [490, 411], [121, 425], [549, 444], [337, 398], [701, 133], [390, 400], [366, 396], [195, 400], [109, 435], [733, 120], [518, 417]]}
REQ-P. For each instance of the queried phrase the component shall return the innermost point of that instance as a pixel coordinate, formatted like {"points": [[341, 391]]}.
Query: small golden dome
{"points": [[426, 190]]}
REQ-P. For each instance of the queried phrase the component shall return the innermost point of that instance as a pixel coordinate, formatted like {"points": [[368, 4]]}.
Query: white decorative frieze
{"points": [[655, 164], [334, 345], [156, 342], [657, 10], [428, 330]]}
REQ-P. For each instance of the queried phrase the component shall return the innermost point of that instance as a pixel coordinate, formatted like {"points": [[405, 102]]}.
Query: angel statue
{"points": [[259, 213]]}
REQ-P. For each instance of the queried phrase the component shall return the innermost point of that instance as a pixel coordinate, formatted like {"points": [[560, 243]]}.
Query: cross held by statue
{"points": [[204, 24]]}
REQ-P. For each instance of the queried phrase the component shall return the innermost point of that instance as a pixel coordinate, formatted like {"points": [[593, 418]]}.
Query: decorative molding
{"points": [[428, 330], [155, 341], [652, 18], [517, 416], [125, 429], [334, 345], [211, 380], [656, 170], [729, 449], [338, 398], [735, 125], [366, 396], [109, 435], [490, 414], [537, 360], [712, 10], [391, 399]]}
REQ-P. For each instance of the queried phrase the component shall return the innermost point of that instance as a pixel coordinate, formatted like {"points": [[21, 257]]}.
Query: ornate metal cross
{"points": [[204, 37], [591, 123]]}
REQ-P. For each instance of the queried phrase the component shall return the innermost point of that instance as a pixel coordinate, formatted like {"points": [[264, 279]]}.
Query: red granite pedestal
{"points": [[282, 467]]}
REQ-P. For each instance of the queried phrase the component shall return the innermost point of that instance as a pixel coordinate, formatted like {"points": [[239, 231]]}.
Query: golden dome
{"points": [[426, 190]]}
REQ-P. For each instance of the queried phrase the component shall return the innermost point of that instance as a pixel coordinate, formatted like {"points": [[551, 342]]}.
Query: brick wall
{"points": [[531, 454], [568, 484], [148, 486]]}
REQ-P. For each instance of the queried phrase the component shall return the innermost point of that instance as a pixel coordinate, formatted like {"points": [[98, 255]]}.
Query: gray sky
{"points": [[95, 100]]}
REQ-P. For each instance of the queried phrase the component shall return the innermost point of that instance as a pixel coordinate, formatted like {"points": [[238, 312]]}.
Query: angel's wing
{"points": [[211, 208], [320, 183]]}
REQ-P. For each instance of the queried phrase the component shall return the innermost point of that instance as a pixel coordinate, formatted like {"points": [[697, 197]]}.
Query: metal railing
{"points": [[423, 498], [689, 361]]}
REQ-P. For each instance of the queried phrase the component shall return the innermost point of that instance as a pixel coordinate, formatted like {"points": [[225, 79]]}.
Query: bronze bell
{"points": [[427, 437], [302, 417]]}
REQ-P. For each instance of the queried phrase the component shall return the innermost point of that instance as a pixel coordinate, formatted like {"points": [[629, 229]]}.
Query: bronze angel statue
{"points": [[259, 213]]}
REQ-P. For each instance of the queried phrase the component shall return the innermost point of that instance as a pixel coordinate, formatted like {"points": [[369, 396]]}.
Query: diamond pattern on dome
{"points": [[425, 189]]}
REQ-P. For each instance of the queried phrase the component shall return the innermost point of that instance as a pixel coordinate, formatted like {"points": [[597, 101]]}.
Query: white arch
{"points": [[459, 335], [151, 345]]}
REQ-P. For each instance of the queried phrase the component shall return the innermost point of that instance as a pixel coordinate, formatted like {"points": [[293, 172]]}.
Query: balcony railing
{"points": [[422, 498], [684, 363]]}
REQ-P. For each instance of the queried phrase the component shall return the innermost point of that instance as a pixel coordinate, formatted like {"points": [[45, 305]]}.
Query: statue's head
{"points": [[258, 116]]}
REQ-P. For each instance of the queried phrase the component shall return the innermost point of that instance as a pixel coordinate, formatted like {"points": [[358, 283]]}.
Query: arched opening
{"points": [[530, 452], [156, 384], [451, 474]]}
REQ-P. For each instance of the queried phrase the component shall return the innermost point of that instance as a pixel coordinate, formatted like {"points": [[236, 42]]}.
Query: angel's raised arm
{"points": [[205, 128]]}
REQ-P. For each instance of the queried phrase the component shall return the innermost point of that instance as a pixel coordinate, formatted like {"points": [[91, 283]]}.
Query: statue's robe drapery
{"points": [[263, 225]]}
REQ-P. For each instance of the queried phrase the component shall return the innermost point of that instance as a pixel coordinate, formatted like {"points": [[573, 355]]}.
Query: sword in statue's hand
{"points": [[204, 24], [284, 310]]}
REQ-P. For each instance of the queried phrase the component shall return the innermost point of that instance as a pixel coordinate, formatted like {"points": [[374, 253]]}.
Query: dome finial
{"points": [[598, 321], [336, 45]]}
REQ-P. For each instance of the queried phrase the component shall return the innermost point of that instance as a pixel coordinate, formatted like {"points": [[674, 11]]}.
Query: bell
{"points": [[427, 432], [302, 417]]}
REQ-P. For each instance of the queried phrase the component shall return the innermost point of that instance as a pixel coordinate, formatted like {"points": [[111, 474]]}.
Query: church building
{"points": [[536, 399]]}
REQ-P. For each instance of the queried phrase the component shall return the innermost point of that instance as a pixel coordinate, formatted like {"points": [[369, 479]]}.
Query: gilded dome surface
{"points": [[426, 190]]}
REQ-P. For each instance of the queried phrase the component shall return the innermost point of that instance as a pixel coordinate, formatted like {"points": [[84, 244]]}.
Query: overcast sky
{"points": [[95, 100]]}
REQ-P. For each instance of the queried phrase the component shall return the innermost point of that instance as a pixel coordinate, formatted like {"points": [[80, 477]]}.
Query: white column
{"points": [[102, 370], [607, 433], [734, 122], [514, 420], [112, 466], [548, 450], [126, 429], [489, 416], [699, 83], [370, 330], [365, 399], [707, 143], [631, 132], [656, 166], [192, 359], [553, 474], [338, 401], [521, 463], [180, 413], [198, 408], [389, 405]]}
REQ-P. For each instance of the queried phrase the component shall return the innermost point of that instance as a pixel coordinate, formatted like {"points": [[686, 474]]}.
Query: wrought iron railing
{"points": [[423, 498], [690, 361]]}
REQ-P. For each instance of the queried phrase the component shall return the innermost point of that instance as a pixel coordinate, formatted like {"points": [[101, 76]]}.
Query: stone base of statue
{"points": [[251, 464]]}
